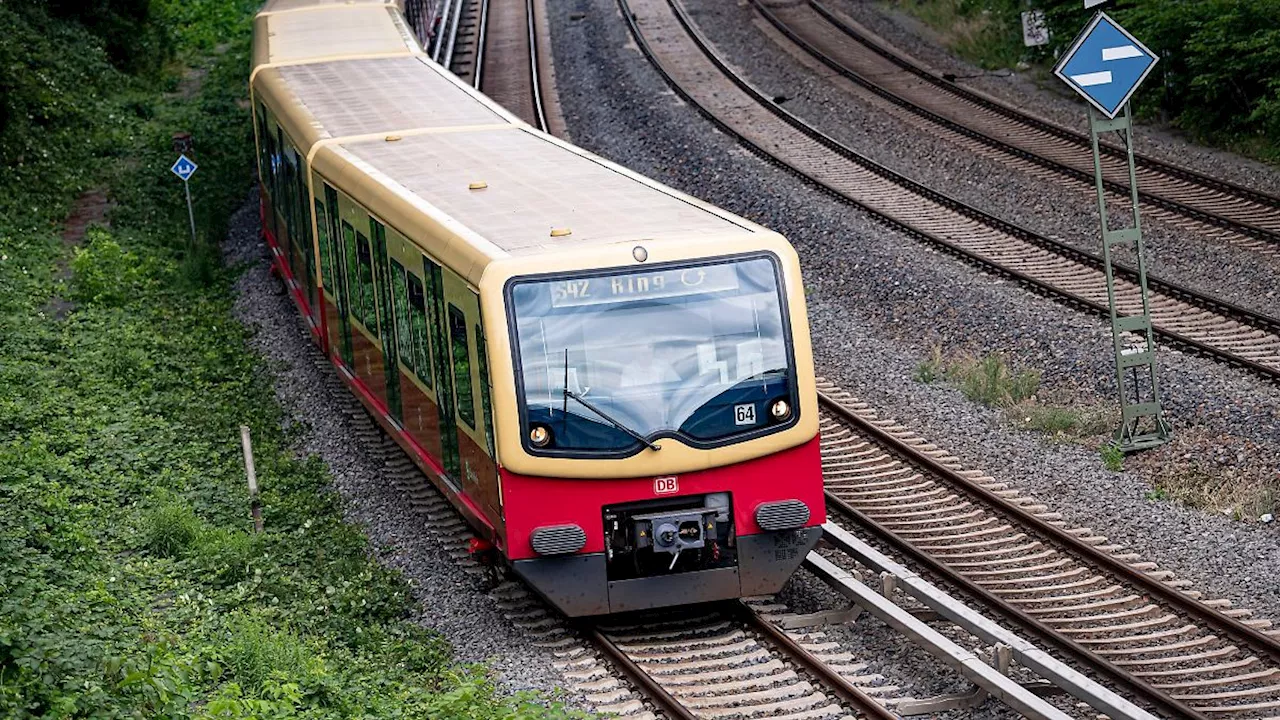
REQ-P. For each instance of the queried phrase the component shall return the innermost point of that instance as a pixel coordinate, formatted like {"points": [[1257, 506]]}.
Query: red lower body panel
{"points": [[530, 502]]}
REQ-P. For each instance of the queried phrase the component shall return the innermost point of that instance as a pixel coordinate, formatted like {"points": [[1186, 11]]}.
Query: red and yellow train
{"points": [[611, 380]]}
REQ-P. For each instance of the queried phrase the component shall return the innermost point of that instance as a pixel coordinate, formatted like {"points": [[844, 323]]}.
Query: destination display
{"points": [[627, 287]]}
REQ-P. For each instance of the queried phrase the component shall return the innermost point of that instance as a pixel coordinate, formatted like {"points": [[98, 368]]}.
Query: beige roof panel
{"points": [[360, 97], [286, 5], [534, 186], [332, 33]]}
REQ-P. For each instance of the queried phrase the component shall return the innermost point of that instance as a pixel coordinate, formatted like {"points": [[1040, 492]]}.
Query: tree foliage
{"points": [[1219, 71]]}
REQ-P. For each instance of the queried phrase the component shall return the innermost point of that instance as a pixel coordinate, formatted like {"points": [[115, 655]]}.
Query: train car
{"points": [[612, 381]]}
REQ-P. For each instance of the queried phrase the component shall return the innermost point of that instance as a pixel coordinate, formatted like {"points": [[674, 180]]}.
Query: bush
{"points": [[133, 40], [256, 653], [103, 273], [169, 530], [1219, 72]]}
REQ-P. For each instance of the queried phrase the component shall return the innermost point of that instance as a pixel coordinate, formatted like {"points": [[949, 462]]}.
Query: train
{"points": [[612, 381]]}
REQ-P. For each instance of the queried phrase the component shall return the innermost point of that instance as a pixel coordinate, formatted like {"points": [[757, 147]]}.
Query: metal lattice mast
{"points": [[1142, 423]]}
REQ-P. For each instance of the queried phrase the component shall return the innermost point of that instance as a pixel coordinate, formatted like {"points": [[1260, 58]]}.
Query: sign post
{"points": [[1105, 65], [185, 168]]}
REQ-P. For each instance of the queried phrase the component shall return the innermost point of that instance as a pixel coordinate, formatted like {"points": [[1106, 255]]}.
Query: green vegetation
{"points": [[1236, 485], [990, 380], [1112, 458], [987, 33], [131, 584], [1219, 74]]}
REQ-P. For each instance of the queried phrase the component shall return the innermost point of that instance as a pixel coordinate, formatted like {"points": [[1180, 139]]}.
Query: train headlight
{"points": [[780, 410], [540, 436]]}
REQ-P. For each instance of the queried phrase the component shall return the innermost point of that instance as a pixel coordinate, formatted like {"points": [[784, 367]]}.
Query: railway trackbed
{"points": [[736, 660], [498, 52], [1067, 588], [718, 662], [1180, 196], [692, 68]]}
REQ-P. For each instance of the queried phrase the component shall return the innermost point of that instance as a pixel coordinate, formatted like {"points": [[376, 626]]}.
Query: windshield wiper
{"points": [[571, 394]]}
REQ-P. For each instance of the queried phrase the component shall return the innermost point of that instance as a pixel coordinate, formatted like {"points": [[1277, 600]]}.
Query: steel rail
{"points": [[447, 60], [439, 40], [846, 690], [1087, 177], [534, 80], [658, 695], [1225, 309], [1173, 169], [1255, 640], [482, 31], [1043, 664]]}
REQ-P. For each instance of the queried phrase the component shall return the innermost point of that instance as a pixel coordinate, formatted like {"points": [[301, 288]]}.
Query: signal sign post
{"points": [[184, 168], [1106, 65]]}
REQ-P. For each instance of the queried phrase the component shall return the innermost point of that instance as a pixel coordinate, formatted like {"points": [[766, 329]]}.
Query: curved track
{"points": [[1068, 587], [1203, 324], [497, 52], [1179, 195]]}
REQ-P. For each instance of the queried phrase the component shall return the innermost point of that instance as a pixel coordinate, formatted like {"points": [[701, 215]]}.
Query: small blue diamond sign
{"points": [[184, 168], [1105, 65]]}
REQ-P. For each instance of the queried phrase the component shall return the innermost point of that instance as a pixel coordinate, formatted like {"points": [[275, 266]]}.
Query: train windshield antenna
{"points": [[583, 401]]}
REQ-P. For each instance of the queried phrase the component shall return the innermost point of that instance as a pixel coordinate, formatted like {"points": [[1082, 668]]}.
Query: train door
{"points": [[337, 248], [390, 365], [442, 368]]}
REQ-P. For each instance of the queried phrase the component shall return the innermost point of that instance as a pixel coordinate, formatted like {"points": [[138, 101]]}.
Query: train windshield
{"points": [[611, 363]]}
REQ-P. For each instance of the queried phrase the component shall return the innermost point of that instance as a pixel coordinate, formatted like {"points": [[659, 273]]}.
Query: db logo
{"points": [[666, 485]]}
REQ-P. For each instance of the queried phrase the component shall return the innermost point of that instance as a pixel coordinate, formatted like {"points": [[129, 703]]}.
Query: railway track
{"points": [[1068, 588], [725, 661], [497, 51], [718, 662], [1180, 196], [690, 65]]}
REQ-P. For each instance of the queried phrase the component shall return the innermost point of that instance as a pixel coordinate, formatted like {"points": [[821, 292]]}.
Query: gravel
{"points": [[1061, 209], [879, 301], [1042, 94], [451, 601]]}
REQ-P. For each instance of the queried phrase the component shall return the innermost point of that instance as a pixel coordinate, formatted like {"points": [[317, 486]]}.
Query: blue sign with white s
{"points": [[1105, 64], [184, 168]]}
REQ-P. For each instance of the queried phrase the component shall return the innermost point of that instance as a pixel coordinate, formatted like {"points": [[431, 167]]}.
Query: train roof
{"points": [[285, 5], [301, 31], [414, 145]]}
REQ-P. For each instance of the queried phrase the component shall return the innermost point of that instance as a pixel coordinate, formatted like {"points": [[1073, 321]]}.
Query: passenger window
{"points": [[400, 306], [364, 271], [485, 408], [353, 278], [418, 324], [326, 251], [461, 366]]}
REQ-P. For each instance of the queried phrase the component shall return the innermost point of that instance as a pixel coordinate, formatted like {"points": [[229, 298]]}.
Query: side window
{"points": [[418, 324], [326, 251], [264, 145], [364, 270], [400, 305], [486, 412], [277, 160], [461, 366], [353, 277]]}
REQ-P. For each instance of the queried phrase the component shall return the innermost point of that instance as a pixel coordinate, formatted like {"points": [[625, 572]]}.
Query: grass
{"points": [[131, 583], [1230, 478], [989, 34], [990, 380], [1112, 457]]}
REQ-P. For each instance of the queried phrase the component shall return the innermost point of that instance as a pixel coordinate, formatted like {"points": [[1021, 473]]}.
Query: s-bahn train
{"points": [[612, 381]]}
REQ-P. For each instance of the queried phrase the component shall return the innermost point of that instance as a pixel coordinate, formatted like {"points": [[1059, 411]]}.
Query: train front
{"points": [[660, 445]]}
